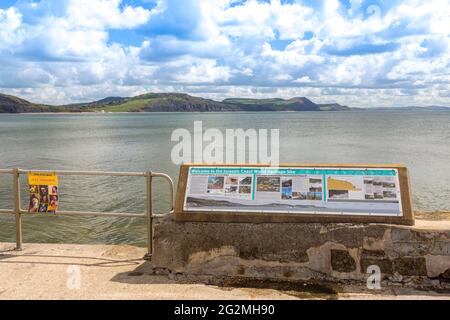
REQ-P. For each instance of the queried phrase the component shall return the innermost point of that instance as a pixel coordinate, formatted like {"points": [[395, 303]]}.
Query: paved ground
{"points": [[436, 215], [61, 271]]}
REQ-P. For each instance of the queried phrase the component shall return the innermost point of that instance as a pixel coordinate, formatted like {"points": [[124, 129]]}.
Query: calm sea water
{"points": [[141, 142]]}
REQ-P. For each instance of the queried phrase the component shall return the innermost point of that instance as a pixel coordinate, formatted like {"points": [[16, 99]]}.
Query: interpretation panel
{"points": [[294, 193]]}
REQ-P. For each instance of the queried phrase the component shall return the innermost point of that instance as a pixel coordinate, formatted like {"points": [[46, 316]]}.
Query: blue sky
{"points": [[355, 52]]}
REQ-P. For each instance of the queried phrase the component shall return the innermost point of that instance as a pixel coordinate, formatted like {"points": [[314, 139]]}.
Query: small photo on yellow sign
{"points": [[43, 188]]}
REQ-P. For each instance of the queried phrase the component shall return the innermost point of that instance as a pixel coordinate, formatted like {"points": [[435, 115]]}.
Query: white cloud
{"points": [[101, 14], [304, 79], [62, 50], [203, 71], [262, 19], [10, 22]]}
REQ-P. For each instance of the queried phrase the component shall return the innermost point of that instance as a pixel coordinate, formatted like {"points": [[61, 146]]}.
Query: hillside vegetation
{"points": [[169, 102], [11, 104]]}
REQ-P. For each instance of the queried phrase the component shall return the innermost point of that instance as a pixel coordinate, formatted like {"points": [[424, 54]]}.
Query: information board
{"points": [[291, 190]]}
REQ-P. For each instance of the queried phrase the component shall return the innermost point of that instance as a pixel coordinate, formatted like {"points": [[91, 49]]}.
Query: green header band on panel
{"points": [[292, 171]]}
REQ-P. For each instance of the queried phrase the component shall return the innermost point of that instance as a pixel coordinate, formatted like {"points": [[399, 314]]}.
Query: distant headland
{"points": [[180, 102]]}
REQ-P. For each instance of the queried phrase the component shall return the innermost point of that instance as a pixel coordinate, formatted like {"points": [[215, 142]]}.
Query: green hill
{"points": [[11, 104], [161, 102], [168, 102], [294, 104], [176, 102]]}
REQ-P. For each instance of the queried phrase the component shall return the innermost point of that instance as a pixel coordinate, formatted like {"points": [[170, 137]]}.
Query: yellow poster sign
{"points": [[43, 189]]}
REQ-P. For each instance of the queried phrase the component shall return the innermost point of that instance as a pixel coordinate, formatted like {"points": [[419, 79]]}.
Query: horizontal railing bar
{"points": [[7, 171], [88, 173], [76, 213], [161, 175], [88, 214], [161, 215]]}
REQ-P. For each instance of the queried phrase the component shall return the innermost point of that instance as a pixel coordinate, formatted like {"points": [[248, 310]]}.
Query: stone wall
{"points": [[339, 253]]}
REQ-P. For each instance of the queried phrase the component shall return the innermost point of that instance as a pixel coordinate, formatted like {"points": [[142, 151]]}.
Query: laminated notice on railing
{"points": [[43, 188]]}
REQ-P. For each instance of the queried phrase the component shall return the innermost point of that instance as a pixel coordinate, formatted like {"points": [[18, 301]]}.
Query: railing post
{"points": [[16, 179], [149, 254]]}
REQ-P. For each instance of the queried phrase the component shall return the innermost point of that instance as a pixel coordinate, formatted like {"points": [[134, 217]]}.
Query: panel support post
{"points": [[16, 179], [149, 254]]}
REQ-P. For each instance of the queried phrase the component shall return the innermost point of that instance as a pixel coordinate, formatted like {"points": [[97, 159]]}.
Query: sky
{"points": [[358, 53]]}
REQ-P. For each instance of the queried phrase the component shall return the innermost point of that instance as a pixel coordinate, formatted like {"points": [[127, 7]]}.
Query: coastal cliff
{"points": [[169, 102]]}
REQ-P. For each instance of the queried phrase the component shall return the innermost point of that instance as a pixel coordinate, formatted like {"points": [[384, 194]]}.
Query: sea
{"points": [[138, 142]]}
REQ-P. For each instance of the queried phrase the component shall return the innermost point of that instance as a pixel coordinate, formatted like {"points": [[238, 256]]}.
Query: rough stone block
{"points": [[446, 274], [408, 266], [400, 235], [374, 254], [441, 248], [414, 249], [425, 236], [384, 264], [341, 261]]}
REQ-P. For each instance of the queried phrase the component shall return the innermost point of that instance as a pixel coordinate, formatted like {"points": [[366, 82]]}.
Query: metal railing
{"points": [[149, 215]]}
